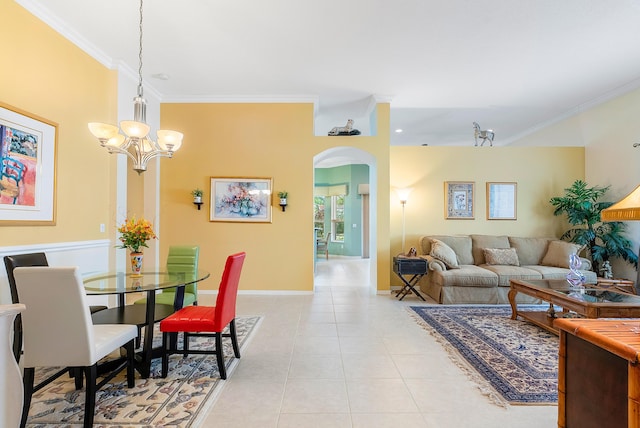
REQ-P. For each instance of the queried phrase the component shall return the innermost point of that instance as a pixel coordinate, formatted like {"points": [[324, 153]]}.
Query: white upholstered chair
{"points": [[58, 332]]}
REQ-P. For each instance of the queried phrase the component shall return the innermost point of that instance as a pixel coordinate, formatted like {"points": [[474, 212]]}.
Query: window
{"points": [[318, 215], [337, 218]]}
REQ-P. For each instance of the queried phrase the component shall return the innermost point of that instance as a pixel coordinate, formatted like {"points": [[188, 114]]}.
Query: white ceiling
{"points": [[510, 65]]}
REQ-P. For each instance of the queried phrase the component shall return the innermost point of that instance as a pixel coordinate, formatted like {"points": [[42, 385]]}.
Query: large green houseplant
{"points": [[603, 240]]}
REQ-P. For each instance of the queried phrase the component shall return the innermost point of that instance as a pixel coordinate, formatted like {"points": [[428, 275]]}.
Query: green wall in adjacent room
{"points": [[352, 176]]}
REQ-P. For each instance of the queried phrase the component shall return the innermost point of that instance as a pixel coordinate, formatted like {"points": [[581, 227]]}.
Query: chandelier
{"points": [[135, 143]]}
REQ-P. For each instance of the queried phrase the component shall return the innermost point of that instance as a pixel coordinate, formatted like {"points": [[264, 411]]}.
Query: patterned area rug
{"points": [[512, 361], [178, 401]]}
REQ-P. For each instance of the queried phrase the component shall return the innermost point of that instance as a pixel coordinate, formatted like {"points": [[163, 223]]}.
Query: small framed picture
{"points": [[459, 200], [501, 200], [243, 200]]}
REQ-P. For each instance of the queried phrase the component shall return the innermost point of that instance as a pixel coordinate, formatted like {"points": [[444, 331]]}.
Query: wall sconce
{"points": [[403, 196], [197, 197], [283, 199]]}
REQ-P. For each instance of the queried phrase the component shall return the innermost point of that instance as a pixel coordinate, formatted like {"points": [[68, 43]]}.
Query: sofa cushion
{"points": [[501, 256], [466, 276], [552, 272], [461, 245], [444, 253], [558, 253], [530, 250], [480, 242], [506, 273]]}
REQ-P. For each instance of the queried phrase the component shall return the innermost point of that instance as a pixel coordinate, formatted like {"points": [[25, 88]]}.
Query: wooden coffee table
{"points": [[590, 302]]}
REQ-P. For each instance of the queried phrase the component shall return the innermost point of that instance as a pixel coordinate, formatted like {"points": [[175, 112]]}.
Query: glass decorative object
{"points": [[575, 277]]}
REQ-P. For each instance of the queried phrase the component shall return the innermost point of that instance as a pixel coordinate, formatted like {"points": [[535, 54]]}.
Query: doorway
{"points": [[341, 156]]}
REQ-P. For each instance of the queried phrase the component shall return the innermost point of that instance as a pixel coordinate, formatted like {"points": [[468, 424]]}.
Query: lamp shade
{"points": [[116, 141], [103, 131], [134, 129], [403, 194], [169, 140], [626, 209]]}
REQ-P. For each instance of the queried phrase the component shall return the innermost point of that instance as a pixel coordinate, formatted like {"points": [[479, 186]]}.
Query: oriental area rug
{"points": [[512, 361], [180, 400]]}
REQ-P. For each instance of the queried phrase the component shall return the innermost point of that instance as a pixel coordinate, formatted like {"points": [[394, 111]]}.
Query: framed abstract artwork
{"points": [[28, 146], [502, 200], [243, 200], [459, 200]]}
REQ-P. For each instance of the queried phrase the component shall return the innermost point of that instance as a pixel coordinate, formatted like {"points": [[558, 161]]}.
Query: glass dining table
{"points": [[121, 284]]}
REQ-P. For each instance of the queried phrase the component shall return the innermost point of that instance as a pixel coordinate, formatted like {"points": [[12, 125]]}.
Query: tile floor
{"points": [[345, 358]]}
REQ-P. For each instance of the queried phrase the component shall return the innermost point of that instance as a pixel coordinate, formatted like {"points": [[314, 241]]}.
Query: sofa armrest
{"points": [[434, 264], [586, 264]]}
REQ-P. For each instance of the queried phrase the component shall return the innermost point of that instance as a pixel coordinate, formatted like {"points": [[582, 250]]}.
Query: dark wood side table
{"points": [[598, 373], [413, 268]]}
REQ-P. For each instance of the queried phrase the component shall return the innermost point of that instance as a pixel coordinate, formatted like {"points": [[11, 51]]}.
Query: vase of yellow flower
{"points": [[134, 234]]}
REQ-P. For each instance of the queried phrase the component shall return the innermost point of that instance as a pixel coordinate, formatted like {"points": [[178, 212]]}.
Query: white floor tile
{"points": [[343, 357]]}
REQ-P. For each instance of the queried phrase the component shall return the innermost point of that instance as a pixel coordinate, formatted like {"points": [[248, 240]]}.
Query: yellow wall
{"points": [[265, 141], [46, 75], [540, 172], [50, 77]]}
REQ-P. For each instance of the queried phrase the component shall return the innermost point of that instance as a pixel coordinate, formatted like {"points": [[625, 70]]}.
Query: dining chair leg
{"points": [[91, 373], [76, 373], [220, 356], [165, 354], [185, 344], [234, 338], [131, 380], [27, 382]]}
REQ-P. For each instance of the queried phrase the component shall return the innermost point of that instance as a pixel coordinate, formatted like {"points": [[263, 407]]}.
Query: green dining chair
{"points": [[181, 259]]}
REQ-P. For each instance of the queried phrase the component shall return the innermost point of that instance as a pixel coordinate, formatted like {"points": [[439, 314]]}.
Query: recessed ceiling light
{"points": [[161, 76], [399, 130]]}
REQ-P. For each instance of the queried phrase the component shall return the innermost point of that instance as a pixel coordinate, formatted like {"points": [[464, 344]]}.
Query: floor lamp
{"points": [[627, 209], [403, 196]]}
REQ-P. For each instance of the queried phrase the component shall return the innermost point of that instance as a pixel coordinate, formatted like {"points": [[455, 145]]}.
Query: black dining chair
{"points": [[25, 260]]}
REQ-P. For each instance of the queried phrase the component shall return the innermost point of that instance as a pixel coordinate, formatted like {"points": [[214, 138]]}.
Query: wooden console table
{"points": [[598, 373]]}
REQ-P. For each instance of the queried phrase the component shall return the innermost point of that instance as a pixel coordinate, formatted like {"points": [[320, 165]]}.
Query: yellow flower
{"points": [[134, 234]]}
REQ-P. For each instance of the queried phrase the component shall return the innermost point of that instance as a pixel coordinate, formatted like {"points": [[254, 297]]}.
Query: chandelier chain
{"points": [[140, 92]]}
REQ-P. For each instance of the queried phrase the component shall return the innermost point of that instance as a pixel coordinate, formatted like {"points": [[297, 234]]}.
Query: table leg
{"points": [[409, 286], [512, 301], [147, 348]]}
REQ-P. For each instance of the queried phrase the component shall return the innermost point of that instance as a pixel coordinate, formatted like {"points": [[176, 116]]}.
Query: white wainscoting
{"points": [[91, 256]]}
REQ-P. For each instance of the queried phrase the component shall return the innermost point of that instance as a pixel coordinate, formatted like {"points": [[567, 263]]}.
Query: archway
{"points": [[338, 156]]}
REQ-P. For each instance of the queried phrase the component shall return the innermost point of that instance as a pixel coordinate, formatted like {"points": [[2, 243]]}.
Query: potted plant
{"points": [[197, 195], [602, 240], [134, 234], [283, 198]]}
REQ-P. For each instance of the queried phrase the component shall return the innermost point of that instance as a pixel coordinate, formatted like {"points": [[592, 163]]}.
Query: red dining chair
{"points": [[208, 321]]}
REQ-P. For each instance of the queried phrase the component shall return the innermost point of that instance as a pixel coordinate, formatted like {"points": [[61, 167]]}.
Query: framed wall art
{"points": [[28, 146], [459, 199], [244, 200], [501, 200]]}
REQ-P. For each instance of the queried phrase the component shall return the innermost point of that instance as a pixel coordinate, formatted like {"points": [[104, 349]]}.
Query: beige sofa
{"points": [[477, 268]]}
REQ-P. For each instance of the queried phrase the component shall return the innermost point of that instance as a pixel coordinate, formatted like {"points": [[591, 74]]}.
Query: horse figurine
{"points": [[483, 135], [344, 130]]}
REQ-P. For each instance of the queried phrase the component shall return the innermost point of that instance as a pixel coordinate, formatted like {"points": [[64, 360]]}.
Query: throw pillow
{"points": [[558, 253], [444, 253], [501, 256]]}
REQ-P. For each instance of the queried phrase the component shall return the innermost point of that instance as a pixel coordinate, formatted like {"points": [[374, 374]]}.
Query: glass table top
{"points": [[588, 293], [121, 282]]}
